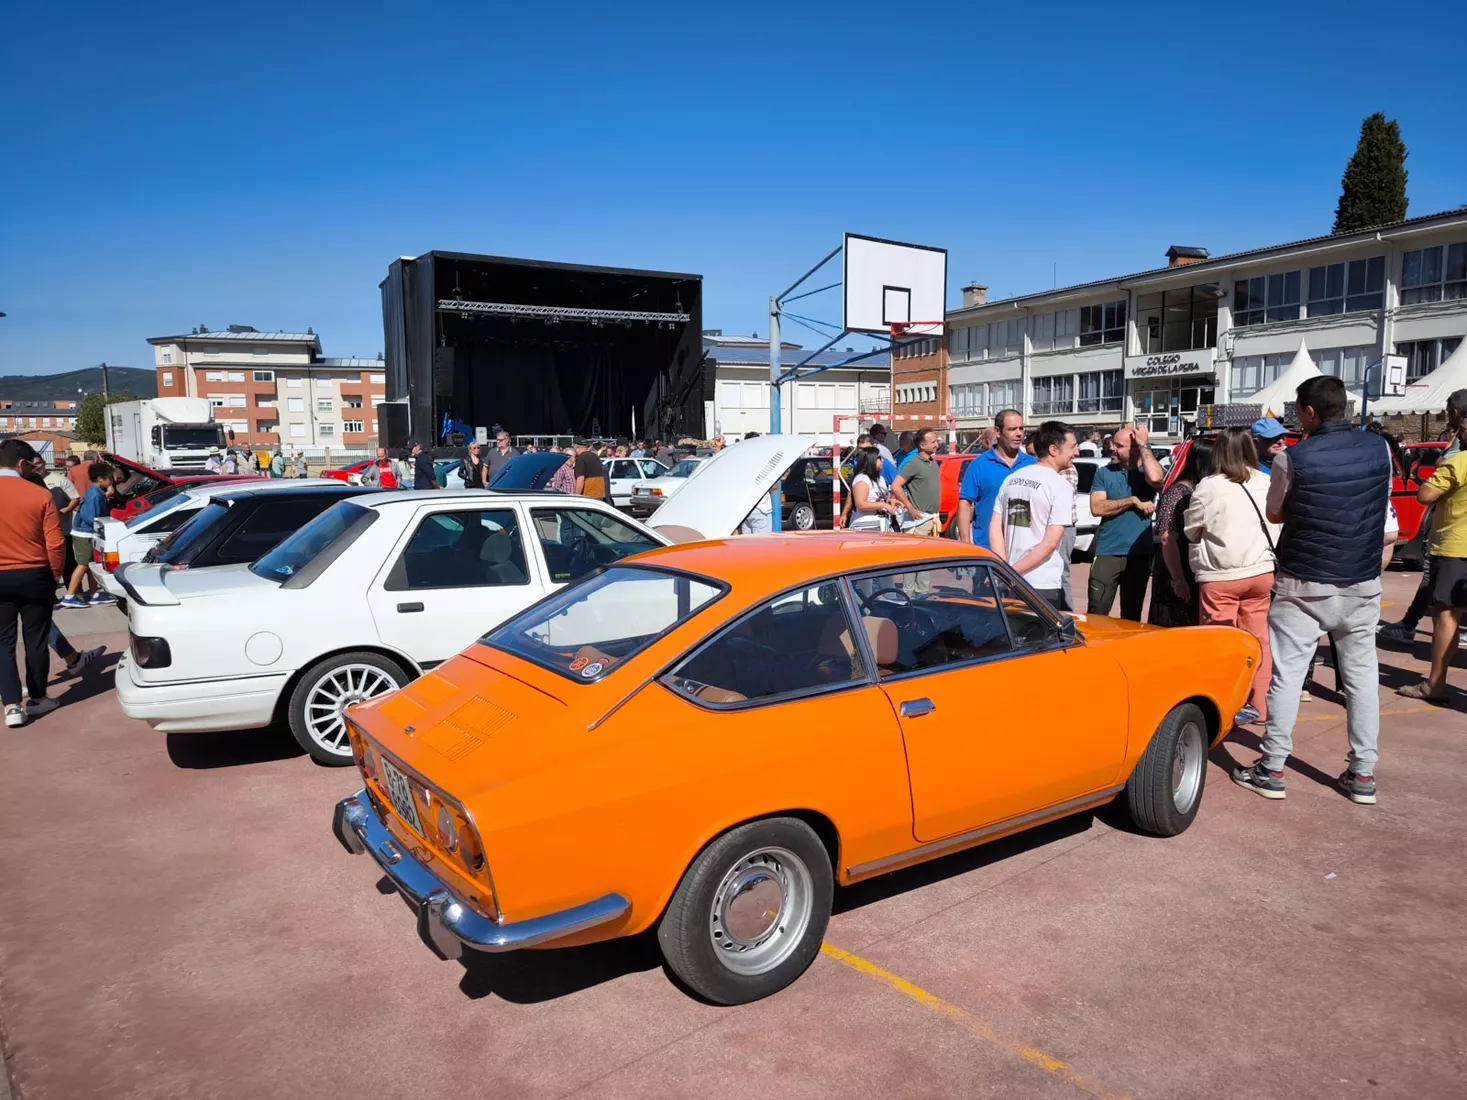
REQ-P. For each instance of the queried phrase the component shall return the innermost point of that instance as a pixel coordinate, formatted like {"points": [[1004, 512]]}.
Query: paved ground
{"points": [[177, 921]]}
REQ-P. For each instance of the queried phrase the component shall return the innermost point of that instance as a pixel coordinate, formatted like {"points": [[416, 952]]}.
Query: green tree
{"points": [[91, 426], [1373, 191]]}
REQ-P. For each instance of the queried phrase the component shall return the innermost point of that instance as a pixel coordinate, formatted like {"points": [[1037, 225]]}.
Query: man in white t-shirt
{"points": [[1032, 510]]}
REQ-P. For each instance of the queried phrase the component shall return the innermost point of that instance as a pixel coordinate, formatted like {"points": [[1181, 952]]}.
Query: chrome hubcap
{"points": [[761, 910], [336, 690], [804, 519], [1187, 764]]}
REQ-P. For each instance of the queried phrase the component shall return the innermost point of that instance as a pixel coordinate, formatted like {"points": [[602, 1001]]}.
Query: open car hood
{"points": [[725, 488], [527, 473]]}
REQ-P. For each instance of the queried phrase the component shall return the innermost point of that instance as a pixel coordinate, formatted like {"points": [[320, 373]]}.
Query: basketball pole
{"points": [[776, 504]]}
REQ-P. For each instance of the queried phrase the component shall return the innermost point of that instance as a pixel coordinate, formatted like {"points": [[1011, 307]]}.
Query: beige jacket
{"points": [[1225, 534]]}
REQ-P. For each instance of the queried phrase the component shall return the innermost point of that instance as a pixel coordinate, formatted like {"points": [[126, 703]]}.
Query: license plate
{"points": [[401, 793]]}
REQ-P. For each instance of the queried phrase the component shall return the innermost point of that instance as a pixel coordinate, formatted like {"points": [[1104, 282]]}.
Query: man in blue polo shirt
{"points": [[986, 473]]}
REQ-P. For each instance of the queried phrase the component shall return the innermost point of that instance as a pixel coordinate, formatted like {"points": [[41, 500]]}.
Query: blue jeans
{"points": [[60, 644]]}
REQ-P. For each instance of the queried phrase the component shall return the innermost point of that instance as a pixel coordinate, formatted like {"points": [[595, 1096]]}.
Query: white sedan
{"points": [[624, 473], [381, 587], [652, 493]]}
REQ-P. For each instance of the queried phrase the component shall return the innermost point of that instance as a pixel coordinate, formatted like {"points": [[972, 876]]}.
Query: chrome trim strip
{"points": [[443, 920], [936, 847]]}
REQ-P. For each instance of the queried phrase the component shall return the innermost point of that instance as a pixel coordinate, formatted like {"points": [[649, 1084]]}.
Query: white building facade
{"points": [[1153, 347]]}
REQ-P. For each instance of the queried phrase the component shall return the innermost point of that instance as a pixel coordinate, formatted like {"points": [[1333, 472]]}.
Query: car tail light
{"points": [[96, 552], [654, 492], [150, 652], [110, 561]]}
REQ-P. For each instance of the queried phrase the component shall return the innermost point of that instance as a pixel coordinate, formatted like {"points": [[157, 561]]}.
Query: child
{"points": [[93, 506]]}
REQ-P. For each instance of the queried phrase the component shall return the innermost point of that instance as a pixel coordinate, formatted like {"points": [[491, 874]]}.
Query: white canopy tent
{"points": [[1274, 396], [1429, 394]]}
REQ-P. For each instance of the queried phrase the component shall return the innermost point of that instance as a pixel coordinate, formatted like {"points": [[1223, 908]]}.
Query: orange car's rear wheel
{"points": [[748, 917], [1165, 791]]}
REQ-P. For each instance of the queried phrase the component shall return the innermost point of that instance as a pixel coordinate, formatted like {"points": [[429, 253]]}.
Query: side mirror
{"points": [[1068, 634]]}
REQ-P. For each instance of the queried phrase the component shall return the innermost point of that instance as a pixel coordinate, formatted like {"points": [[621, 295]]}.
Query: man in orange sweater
{"points": [[32, 556]]}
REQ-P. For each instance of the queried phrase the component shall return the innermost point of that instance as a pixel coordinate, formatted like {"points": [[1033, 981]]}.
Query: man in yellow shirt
{"points": [[1447, 489]]}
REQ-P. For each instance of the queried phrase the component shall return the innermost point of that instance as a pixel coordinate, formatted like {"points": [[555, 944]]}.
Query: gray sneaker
{"points": [[1396, 632], [1360, 788], [1260, 780]]}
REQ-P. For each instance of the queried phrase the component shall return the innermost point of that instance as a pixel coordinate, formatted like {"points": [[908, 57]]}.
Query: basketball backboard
{"points": [[889, 283]]}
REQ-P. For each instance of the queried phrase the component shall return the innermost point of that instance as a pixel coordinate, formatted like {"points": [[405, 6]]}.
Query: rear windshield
{"points": [[193, 534], [1085, 473], [161, 503], [289, 558], [590, 628]]}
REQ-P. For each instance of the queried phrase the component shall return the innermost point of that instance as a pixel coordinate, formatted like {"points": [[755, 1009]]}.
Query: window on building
{"points": [[264, 376], [1266, 298], [236, 376], [1054, 395], [326, 431], [1352, 287], [297, 431], [728, 395], [1434, 274], [265, 402], [379, 379], [352, 402], [351, 425], [1102, 391], [167, 358], [1250, 373], [218, 401], [1180, 319], [1103, 324], [957, 343], [168, 378], [259, 351], [236, 401], [45, 421], [296, 404], [1424, 356], [267, 426], [1004, 395], [293, 383], [323, 383], [323, 404], [1056, 331], [213, 376], [1346, 364], [374, 425]]}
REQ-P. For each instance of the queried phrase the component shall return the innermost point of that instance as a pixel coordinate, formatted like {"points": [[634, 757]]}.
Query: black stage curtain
{"points": [[544, 386]]}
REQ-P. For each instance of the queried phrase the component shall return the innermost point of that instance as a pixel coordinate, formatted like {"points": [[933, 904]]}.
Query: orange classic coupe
{"points": [[709, 738]]}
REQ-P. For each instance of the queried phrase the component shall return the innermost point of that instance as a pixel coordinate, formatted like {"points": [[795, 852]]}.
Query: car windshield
{"points": [[685, 468], [193, 439], [592, 627], [170, 501], [298, 551], [191, 534]]}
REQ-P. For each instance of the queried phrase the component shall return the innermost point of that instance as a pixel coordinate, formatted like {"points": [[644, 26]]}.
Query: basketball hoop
{"points": [[914, 330]]}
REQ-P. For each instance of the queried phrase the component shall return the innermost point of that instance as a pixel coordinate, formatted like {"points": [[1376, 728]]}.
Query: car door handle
{"points": [[916, 708], [406, 607]]}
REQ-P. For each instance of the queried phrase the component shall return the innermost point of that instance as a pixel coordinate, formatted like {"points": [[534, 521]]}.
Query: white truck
{"points": [[169, 434]]}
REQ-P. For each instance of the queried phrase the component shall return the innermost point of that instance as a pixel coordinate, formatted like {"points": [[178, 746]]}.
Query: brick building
{"points": [[26, 416], [919, 377], [275, 387]]}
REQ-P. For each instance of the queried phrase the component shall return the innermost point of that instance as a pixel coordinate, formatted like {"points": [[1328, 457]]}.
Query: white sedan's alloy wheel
{"points": [[318, 704]]}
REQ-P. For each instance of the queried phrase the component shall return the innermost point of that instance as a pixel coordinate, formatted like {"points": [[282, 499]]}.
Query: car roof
{"points": [[435, 496], [775, 562], [325, 489]]}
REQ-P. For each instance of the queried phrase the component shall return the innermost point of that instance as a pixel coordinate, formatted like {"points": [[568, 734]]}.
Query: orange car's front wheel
{"points": [[748, 917], [1165, 791]]}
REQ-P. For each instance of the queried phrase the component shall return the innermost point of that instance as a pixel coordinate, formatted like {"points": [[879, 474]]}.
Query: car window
{"points": [[1029, 627], [302, 556], [795, 644], [1085, 475], [268, 522], [188, 537], [685, 468], [925, 619], [591, 627], [576, 541], [652, 468], [470, 549]]}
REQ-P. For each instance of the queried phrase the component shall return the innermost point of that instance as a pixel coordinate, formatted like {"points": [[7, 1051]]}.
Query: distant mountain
{"points": [[62, 387]]}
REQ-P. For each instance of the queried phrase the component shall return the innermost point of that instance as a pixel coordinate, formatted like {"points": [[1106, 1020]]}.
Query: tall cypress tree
{"points": [[1373, 191]]}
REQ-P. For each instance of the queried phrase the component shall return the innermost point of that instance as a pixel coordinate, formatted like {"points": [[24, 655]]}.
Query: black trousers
{"points": [[26, 597], [1128, 575]]}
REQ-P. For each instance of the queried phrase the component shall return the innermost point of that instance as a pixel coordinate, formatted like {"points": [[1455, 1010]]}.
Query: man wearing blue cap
{"points": [[1269, 438]]}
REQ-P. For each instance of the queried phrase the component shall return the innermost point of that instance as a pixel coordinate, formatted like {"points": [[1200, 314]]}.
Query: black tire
{"points": [[802, 517], [690, 927], [392, 676], [1178, 751]]}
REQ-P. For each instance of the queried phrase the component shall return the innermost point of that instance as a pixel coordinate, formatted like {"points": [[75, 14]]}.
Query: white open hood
{"points": [[724, 489]]}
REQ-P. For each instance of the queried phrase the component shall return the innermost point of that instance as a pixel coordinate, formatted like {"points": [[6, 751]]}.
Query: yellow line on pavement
{"points": [[1055, 1067], [1340, 715]]}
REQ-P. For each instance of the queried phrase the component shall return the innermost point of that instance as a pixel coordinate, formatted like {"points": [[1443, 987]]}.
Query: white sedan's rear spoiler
{"points": [[143, 582]]}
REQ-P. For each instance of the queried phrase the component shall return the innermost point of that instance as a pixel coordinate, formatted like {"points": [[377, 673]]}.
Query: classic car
{"points": [[706, 739], [1414, 465], [381, 587], [807, 491], [650, 494]]}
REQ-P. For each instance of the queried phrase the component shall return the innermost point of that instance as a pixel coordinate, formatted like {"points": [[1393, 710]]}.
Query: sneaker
{"points": [[1247, 716], [99, 599], [14, 716], [1305, 697], [84, 660], [34, 708], [1396, 632], [1360, 788], [72, 601], [1260, 780]]}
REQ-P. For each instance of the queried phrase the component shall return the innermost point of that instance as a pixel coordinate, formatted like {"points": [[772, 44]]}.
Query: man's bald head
{"points": [[1122, 444]]}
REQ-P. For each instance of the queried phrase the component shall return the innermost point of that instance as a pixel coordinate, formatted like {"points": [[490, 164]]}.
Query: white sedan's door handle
{"points": [[916, 708]]}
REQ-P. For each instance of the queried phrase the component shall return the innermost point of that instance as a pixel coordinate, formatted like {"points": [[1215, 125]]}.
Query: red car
{"points": [[388, 479], [950, 481], [141, 485]]}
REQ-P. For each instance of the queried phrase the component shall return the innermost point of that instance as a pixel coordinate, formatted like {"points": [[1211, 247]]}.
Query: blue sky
{"points": [[169, 164]]}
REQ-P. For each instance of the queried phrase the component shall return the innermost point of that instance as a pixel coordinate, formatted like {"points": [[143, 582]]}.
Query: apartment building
{"points": [[26, 416], [1153, 346], [272, 388]]}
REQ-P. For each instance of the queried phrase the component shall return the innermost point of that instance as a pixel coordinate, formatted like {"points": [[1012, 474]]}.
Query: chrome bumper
{"points": [[444, 922]]}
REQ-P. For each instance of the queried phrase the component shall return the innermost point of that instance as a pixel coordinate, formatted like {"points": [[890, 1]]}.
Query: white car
{"points": [[624, 473], [1085, 522], [650, 494], [117, 542], [381, 587]]}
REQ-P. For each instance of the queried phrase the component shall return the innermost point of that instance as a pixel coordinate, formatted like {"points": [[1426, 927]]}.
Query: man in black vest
{"points": [[1330, 492]]}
